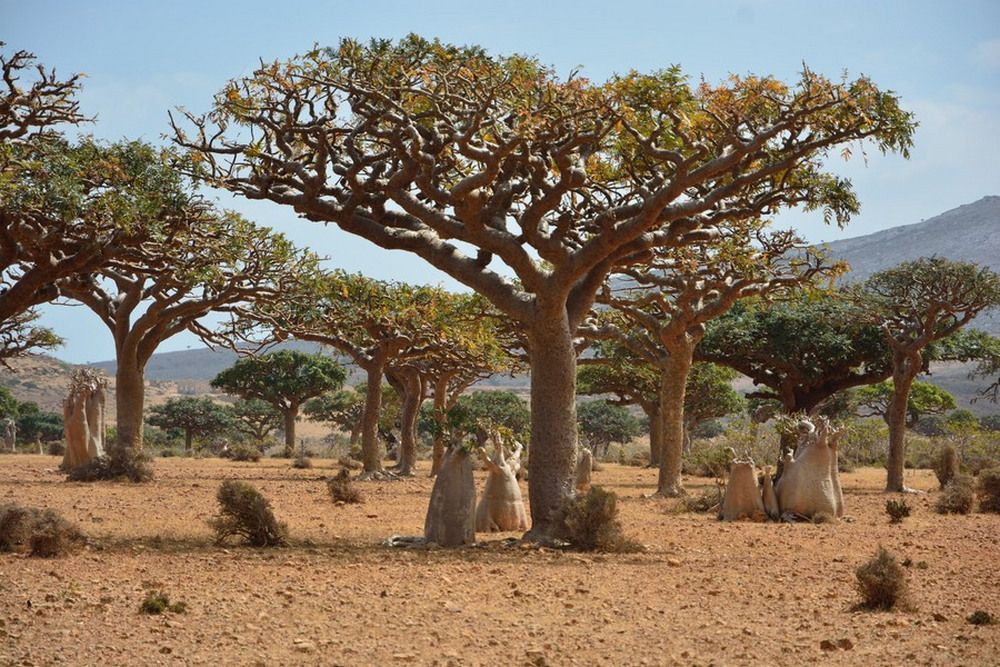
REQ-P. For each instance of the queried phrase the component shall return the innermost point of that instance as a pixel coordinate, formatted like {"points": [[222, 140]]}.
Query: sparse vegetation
{"points": [[41, 532], [245, 512], [590, 522], [243, 452], [956, 497], [897, 510], [342, 489], [946, 464], [989, 490], [881, 582], [706, 501], [157, 602], [120, 464], [980, 617]]}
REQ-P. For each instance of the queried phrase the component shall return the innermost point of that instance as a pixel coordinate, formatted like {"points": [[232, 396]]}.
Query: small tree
{"points": [[197, 417], [500, 408], [602, 423], [925, 399], [285, 379], [256, 418], [342, 408], [916, 304]]}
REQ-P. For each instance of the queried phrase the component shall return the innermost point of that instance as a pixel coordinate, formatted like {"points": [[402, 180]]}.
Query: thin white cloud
{"points": [[988, 53]]}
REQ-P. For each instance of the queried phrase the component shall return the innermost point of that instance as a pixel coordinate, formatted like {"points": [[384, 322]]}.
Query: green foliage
{"points": [[602, 423], [946, 465], [863, 442], [924, 399], [40, 532], [990, 423], [342, 408], [242, 452], [497, 408], [897, 510], [710, 428], [342, 489], [280, 377], [881, 582], [118, 464], [255, 418], [590, 522], [989, 490], [706, 459], [196, 417], [956, 497], [245, 513], [157, 602]]}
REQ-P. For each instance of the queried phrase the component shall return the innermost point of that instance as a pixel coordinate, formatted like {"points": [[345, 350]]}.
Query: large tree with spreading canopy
{"points": [[489, 165]]}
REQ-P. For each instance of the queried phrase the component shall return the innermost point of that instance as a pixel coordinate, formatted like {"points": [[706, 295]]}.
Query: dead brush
{"points": [[342, 488], [245, 512], [956, 497], [589, 522], [42, 533], [881, 582]]}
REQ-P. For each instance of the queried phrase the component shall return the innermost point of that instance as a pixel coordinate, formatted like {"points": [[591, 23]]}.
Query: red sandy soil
{"points": [[703, 592]]}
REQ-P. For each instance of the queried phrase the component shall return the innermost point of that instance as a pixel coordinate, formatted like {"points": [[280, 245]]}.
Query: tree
{"points": [[27, 112], [916, 304], [201, 417], [709, 395], [492, 408], [256, 418], [37, 425], [801, 351], [285, 379], [437, 149], [602, 423], [925, 399], [193, 260], [664, 305], [342, 408]]}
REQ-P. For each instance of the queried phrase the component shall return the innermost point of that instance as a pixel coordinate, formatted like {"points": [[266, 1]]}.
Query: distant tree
{"points": [[916, 304], [602, 423], [286, 379], [256, 418], [925, 399], [709, 395], [37, 425], [500, 408], [465, 158], [196, 417], [8, 404], [342, 408], [990, 423]]}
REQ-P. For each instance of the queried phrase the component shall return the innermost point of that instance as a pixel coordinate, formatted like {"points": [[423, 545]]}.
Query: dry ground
{"points": [[703, 593]]}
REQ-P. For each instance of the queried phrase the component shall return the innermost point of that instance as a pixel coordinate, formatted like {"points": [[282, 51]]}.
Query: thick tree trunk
{"points": [[552, 452], [369, 425], [673, 386], [655, 434], [188, 439], [130, 398], [905, 369], [440, 417], [412, 398], [290, 413]]}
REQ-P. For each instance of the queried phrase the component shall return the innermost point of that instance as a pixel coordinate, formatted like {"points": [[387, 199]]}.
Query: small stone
{"points": [[939, 617], [673, 562], [845, 644], [166, 650], [305, 646], [827, 645]]}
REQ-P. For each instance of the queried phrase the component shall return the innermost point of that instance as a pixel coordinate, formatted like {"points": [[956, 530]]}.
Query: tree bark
{"points": [[905, 369], [552, 453], [369, 425], [188, 439], [130, 398], [412, 398], [440, 417], [655, 433], [290, 412], [672, 391]]}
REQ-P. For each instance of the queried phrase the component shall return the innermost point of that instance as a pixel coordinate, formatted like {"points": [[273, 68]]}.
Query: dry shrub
{"points": [[245, 512], [957, 496], [342, 489], [589, 522], [882, 582], [42, 533], [157, 602], [980, 617], [119, 464], [243, 452], [302, 462], [989, 490], [706, 501], [946, 464], [897, 510]]}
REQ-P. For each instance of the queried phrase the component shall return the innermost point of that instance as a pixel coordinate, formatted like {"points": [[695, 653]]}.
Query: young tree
{"points": [[286, 379], [201, 417], [437, 149], [916, 304], [665, 304], [343, 408], [498, 408], [602, 423], [925, 399]]}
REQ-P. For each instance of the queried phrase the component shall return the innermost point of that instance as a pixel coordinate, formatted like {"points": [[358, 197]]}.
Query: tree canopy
{"points": [[196, 417]]}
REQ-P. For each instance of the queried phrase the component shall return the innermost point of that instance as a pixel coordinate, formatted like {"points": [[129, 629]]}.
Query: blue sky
{"points": [[144, 57]]}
